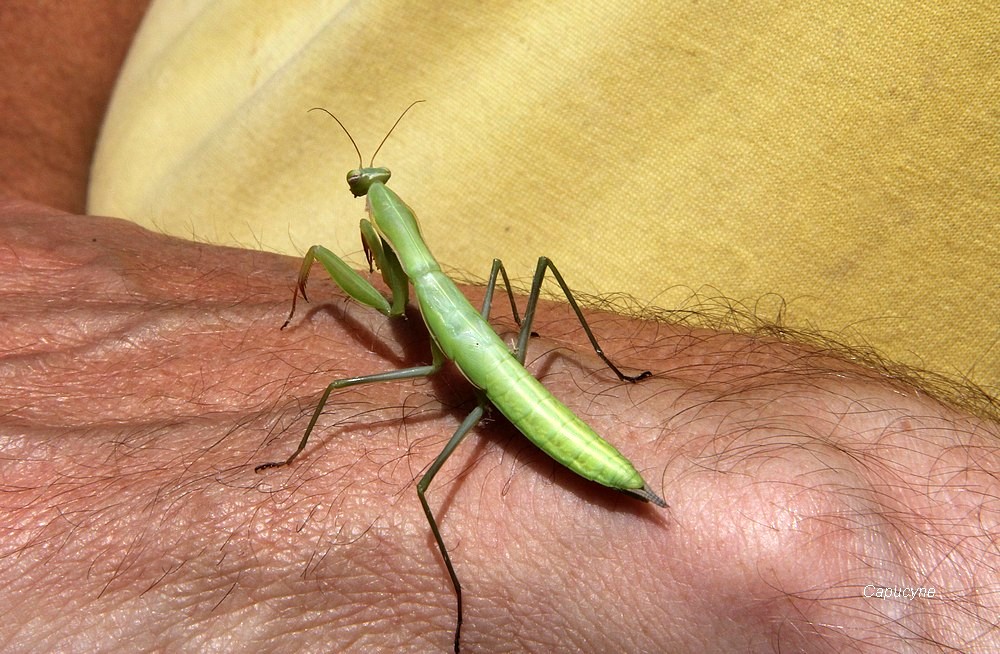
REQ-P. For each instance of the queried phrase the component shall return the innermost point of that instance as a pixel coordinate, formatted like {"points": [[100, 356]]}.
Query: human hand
{"points": [[145, 377]]}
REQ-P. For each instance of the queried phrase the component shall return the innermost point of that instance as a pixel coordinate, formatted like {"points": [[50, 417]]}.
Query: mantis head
{"points": [[361, 178]]}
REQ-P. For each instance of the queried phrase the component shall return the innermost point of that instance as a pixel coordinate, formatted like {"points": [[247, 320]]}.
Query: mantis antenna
{"points": [[381, 143]]}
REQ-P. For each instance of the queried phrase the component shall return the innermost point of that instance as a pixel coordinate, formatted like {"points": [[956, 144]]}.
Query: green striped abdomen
{"points": [[550, 425], [484, 359]]}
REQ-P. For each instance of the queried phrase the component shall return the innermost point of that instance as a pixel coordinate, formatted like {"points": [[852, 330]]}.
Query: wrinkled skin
{"points": [[144, 377]]}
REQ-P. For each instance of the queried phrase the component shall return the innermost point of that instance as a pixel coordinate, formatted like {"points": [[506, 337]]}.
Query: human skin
{"points": [[58, 64], [144, 378]]}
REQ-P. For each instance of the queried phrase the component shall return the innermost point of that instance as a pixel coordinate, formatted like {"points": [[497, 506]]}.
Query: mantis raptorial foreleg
{"points": [[361, 290], [352, 282]]}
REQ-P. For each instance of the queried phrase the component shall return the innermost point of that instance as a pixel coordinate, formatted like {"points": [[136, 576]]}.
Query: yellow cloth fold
{"points": [[841, 156]]}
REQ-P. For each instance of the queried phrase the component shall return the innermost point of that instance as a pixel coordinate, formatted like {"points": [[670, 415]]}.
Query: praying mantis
{"points": [[461, 334]]}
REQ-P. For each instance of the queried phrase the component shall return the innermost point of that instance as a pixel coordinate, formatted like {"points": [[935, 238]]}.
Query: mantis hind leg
{"points": [[529, 313], [491, 285], [463, 430]]}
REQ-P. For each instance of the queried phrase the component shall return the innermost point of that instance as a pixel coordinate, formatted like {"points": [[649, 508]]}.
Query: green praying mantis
{"points": [[459, 333]]}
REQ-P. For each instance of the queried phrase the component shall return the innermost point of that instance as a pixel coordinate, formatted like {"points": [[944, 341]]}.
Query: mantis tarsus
{"points": [[392, 243]]}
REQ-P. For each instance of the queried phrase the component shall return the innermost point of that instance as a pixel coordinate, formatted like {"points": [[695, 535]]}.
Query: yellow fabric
{"points": [[841, 156]]}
